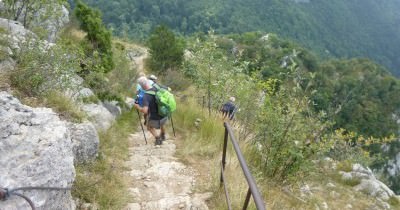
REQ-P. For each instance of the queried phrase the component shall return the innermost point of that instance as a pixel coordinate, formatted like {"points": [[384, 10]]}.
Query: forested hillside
{"points": [[341, 28]]}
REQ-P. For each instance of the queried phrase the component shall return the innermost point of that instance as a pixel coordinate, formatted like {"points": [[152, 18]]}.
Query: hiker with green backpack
{"points": [[158, 104]]}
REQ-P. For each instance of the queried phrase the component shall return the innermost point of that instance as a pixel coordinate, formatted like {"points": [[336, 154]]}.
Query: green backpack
{"points": [[165, 100]]}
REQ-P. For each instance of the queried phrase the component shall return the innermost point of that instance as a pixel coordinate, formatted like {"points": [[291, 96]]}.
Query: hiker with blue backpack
{"points": [[140, 93], [157, 104]]}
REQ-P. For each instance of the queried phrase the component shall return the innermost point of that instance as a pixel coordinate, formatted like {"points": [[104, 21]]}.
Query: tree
{"points": [[165, 49], [27, 11], [98, 36]]}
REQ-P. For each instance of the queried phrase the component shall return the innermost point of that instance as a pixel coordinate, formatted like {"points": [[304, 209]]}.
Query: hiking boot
{"points": [[158, 141], [162, 137]]}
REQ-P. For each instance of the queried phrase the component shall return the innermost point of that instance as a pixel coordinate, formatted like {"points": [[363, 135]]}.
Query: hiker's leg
{"points": [[153, 131], [162, 128], [152, 125], [225, 114], [145, 118]]}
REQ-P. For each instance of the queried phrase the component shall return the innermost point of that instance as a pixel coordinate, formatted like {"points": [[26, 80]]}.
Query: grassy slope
{"points": [[201, 147]]}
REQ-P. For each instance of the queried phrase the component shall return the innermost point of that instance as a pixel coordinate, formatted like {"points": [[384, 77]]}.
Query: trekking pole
{"points": [[140, 121], [172, 123]]}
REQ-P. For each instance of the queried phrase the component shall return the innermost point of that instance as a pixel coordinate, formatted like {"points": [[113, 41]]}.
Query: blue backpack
{"points": [[140, 96]]}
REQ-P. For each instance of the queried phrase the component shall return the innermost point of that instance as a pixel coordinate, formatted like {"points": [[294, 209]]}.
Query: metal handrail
{"points": [[253, 190]]}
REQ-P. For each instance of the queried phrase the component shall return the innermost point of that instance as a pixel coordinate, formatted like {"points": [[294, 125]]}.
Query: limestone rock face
{"points": [[14, 28], [56, 23], [85, 141], [369, 184], [393, 165], [52, 17], [112, 107], [36, 150], [99, 116]]}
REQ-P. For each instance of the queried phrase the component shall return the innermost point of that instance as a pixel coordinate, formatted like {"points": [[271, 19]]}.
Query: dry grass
{"points": [[104, 181], [65, 107]]}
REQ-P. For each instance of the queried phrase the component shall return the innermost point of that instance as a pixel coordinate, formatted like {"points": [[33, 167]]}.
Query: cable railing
{"points": [[253, 190]]}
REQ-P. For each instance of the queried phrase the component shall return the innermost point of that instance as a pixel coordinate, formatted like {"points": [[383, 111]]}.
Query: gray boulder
{"points": [[60, 17], [16, 35], [85, 141], [99, 116], [112, 107], [15, 28], [85, 93], [369, 184], [7, 65], [36, 150]]}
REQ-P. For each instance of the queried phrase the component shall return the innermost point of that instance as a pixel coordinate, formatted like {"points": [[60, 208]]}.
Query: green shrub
{"points": [[102, 87], [122, 78], [345, 166], [166, 50], [289, 136], [98, 37], [176, 81], [41, 70]]}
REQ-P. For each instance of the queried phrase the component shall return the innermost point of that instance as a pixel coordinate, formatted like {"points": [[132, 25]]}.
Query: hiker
{"points": [[150, 109], [153, 79], [140, 94], [228, 109], [138, 87]]}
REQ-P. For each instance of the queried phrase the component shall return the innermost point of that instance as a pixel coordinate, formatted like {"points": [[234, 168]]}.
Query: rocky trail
{"points": [[158, 180]]}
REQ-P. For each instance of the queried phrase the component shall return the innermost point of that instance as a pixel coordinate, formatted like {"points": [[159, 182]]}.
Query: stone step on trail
{"points": [[158, 180]]}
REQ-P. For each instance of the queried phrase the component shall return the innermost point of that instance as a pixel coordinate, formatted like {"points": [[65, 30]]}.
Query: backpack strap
{"points": [[151, 92], [157, 86]]}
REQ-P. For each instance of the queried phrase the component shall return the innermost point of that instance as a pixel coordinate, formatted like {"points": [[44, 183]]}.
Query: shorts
{"points": [[156, 123]]}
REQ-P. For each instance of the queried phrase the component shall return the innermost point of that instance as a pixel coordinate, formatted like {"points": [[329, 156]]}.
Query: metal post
{"points": [[250, 179], [246, 202], [224, 152]]}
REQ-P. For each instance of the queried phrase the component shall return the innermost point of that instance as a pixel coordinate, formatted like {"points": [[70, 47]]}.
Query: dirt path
{"points": [[158, 180], [137, 57]]}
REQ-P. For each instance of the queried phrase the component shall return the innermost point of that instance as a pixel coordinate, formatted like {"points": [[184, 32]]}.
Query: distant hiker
{"points": [[150, 108], [154, 80], [228, 109]]}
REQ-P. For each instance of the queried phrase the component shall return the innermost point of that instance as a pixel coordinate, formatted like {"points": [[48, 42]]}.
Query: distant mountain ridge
{"points": [[343, 28]]}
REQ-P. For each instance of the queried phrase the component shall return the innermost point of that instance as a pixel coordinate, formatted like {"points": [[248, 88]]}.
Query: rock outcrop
{"points": [[393, 165], [113, 108], [50, 16], [36, 150], [59, 18], [99, 116], [85, 142], [369, 184]]}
